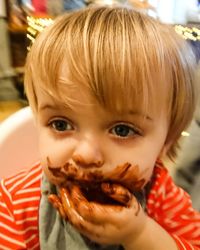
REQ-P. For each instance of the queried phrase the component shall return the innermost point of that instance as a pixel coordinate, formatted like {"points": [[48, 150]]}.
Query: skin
{"points": [[84, 140]]}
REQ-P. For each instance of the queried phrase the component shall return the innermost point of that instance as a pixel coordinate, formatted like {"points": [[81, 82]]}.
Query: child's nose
{"points": [[88, 155]]}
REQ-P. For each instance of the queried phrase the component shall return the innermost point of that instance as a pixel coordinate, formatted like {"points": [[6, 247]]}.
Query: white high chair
{"points": [[18, 142]]}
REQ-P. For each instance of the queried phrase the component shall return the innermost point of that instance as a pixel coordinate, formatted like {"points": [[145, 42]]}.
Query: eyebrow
{"points": [[59, 106], [53, 107], [131, 112]]}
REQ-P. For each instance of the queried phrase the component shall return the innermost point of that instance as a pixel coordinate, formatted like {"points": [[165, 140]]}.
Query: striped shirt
{"points": [[20, 196]]}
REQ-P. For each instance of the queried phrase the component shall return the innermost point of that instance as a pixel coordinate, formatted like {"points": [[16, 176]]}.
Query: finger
{"points": [[136, 206], [65, 199], [56, 202], [117, 193], [77, 195], [92, 211], [101, 232], [68, 206], [74, 217]]}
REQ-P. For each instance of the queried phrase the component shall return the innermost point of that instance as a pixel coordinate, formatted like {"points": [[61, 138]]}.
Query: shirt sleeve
{"points": [[9, 233], [19, 205], [171, 207]]}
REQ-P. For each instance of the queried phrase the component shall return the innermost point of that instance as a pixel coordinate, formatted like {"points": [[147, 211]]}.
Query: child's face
{"points": [[88, 142]]}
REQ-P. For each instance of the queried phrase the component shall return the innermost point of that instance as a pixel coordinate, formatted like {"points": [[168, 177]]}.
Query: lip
{"points": [[126, 175]]}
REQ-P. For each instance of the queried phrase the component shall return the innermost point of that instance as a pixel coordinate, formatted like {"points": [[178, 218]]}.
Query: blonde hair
{"points": [[123, 57]]}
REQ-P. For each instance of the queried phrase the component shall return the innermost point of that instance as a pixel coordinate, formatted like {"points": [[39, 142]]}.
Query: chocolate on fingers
{"points": [[92, 211], [73, 216], [118, 193], [56, 202], [110, 196]]}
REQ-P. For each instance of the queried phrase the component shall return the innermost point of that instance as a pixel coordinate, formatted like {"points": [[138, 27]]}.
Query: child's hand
{"points": [[104, 224]]}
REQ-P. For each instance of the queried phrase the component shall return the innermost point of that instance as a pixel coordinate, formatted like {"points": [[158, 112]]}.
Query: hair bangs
{"points": [[118, 70]]}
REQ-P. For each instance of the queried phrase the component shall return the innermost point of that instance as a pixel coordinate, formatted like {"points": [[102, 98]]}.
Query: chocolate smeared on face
{"points": [[91, 181], [56, 171], [72, 171], [126, 175], [117, 192]]}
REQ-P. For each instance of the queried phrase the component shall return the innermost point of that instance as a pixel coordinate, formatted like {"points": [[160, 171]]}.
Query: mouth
{"points": [[94, 193], [94, 187], [113, 188]]}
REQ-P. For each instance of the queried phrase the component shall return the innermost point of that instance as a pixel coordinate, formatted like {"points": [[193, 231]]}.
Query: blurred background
{"points": [[22, 20]]}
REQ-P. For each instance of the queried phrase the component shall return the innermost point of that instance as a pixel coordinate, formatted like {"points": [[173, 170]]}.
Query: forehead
{"points": [[74, 93]]}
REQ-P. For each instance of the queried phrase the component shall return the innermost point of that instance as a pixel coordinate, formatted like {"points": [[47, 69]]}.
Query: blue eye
{"points": [[122, 130], [61, 125]]}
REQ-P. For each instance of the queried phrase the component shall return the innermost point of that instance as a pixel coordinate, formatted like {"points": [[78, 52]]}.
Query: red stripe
{"points": [[164, 192]]}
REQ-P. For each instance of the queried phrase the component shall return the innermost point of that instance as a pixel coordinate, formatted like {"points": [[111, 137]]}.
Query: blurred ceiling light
{"points": [[35, 26], [184, 133], [104, 2], [191, 33], [108, 2]]}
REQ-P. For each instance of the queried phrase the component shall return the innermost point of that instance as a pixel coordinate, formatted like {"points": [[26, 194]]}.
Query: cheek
{"points": [[58, 150], [142, 159], [130, 176], [54, 152], [146, 164]]}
